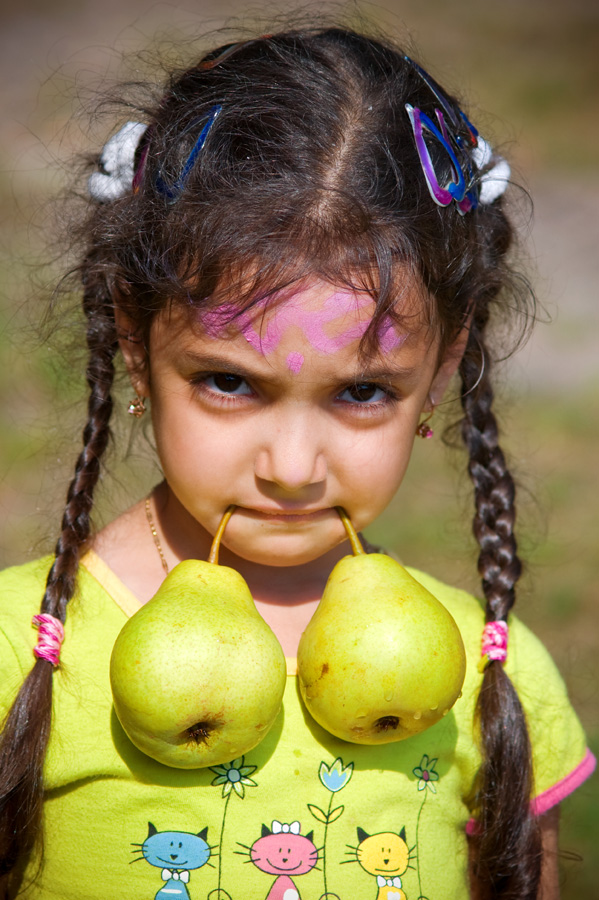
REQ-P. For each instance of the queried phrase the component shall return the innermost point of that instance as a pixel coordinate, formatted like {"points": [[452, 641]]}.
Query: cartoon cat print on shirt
{"points": [[386, 856], [284, 852], [176, 853]]}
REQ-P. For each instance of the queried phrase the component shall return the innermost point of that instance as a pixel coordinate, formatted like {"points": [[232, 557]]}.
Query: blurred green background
{"points": [[530, 72]]}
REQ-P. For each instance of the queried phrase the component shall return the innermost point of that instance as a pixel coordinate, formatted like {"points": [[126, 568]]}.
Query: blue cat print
{"points": [[176, 853]]}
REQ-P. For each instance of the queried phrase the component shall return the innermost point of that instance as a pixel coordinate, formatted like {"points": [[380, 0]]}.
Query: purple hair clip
{"points": [[468, 188], [459, 190]]}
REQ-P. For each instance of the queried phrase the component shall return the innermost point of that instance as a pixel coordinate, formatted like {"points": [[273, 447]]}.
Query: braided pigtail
{"points": [[508, 839], [27, 729]]}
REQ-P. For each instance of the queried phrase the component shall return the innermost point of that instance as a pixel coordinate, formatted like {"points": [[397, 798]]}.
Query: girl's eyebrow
{"points": [[205, 361], [387, 373], [224, 363]]}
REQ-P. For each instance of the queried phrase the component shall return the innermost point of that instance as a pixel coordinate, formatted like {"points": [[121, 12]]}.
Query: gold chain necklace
{"points": [[155, 534]]}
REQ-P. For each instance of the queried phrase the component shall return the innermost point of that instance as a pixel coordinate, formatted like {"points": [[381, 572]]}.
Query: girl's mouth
{"points": [[288, 517]]}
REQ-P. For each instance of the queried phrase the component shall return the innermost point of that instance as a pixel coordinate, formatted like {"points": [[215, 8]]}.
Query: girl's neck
{"points": [[286, 596], [127, 546], [181, 537]]}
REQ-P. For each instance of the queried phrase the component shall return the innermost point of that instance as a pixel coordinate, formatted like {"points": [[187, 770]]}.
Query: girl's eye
{"points": [[367, 394], [227, 383]]}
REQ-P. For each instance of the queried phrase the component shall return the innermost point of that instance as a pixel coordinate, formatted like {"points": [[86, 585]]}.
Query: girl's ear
{"points": [[134, 352], [447, 369]]}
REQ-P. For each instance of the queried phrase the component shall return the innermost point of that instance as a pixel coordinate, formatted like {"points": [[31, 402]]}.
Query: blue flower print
{"points": [[426, 775], [335, 776]]}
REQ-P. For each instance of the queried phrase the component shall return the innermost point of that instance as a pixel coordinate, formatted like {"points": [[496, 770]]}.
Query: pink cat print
{"points": [[284, 852]]}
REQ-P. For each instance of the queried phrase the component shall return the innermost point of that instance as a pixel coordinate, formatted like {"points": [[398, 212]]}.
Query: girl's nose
{"points": [[292, 458]]}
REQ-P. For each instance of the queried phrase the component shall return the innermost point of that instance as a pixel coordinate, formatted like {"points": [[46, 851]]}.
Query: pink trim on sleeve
{"points": [[567, 785], [556, 793]]}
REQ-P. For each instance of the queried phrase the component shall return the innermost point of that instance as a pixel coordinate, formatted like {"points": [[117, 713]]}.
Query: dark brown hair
{"points": [[310, 169]]}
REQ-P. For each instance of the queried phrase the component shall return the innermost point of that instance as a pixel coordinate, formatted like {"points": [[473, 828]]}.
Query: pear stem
{"points": [[352, 534], [213, 555]]}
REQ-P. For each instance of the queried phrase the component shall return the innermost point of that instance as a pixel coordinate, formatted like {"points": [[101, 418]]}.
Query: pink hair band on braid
{"points": [[50, 637], [494, 643]]}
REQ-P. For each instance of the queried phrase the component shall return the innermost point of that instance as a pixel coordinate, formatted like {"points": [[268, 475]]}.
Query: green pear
{"points": [[381, 659], [197, 675]]}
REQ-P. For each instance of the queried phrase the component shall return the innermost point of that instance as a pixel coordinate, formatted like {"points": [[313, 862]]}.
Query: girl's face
{"points": [[276, 413]]}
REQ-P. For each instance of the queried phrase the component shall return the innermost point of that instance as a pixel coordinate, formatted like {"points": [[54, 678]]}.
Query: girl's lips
{"points": [[288, 516]]}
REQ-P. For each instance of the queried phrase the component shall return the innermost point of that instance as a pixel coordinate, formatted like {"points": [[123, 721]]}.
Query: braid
{"points": [[27, 729], [508, 846]]}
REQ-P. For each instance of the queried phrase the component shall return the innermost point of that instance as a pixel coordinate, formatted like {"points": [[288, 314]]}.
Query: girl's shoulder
{"points": [[454, 598], [22, 587], [530, 665], [92, 610], [528, 658], [561, 759], [24, 576], [21, 591]]}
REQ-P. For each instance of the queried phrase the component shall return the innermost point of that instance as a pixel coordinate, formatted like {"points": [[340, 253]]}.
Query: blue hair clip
{"points": [[173, 191]]}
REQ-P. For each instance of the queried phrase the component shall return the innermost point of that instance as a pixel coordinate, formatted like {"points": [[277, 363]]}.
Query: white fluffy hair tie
{"points": [[494, 182], [117, 161]]}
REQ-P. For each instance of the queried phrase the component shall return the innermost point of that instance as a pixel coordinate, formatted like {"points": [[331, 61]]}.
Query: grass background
{"points": [[535, 67]]}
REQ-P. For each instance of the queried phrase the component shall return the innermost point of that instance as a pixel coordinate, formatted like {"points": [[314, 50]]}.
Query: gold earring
{"points": [[424, 430], [137, 407]]}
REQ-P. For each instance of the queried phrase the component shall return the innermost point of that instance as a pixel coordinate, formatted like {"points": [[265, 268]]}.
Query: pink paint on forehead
{"points": [[389, 339], [294, 362], [292, 313]]}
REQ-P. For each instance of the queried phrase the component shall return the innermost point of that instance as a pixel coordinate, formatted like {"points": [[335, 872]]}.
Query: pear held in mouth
{"points": [[381, 659], [197, 675]]}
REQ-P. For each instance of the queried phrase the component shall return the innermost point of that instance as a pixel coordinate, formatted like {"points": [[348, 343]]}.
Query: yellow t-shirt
{"points": [[303, 815]]}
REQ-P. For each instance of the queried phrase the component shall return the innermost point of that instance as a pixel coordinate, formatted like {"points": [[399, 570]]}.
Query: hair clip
{"points": [[456, 115], [143, 157], [469, 188], [119, 174], [459, 190], [172, 192], [209, 62]]}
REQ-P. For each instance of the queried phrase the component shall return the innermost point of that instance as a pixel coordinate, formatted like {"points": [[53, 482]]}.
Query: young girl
{"points": [[294, 251]]}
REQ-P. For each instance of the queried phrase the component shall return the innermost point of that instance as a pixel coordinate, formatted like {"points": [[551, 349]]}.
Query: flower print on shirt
{"points": [[234, 778]]}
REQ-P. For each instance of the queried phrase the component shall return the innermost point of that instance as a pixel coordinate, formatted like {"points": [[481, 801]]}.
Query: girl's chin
{"points": [[279, 551]]}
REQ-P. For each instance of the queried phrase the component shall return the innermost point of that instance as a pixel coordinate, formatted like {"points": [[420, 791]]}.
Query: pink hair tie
{"points": [[50, 637], [494, 643]]}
